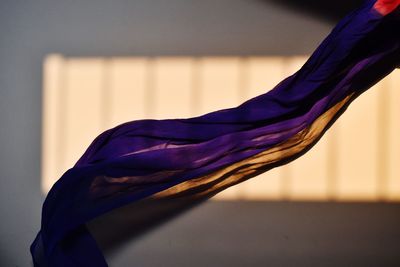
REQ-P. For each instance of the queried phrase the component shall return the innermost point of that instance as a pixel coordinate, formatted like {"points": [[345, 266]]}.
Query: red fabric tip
{"points": [[385, 7]]}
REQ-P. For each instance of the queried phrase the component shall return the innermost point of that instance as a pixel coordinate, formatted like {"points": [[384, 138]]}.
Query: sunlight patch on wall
{"points": [[84, 96]]}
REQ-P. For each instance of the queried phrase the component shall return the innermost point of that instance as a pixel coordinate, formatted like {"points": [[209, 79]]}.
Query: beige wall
{"points": [[355, 160]]}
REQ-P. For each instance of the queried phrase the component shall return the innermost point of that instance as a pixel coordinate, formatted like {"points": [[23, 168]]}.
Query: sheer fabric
{"points": [[198, 157]]}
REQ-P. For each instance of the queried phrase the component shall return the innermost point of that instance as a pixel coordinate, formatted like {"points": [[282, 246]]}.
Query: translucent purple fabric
{"points": [[200, 156]]}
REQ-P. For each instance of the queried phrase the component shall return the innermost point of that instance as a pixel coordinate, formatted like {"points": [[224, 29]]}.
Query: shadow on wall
{"points": [[331, 11], [241, 233], [130, 222]]}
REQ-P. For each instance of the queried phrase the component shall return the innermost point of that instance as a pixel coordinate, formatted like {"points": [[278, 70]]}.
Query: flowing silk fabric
{"points": [[200, 156]]}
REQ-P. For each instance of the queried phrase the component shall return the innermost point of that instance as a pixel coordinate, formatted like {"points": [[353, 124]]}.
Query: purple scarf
{"points": [[198, 157]]}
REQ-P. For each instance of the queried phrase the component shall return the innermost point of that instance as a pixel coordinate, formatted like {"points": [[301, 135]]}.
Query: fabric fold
{"points": [[200, 156]]}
